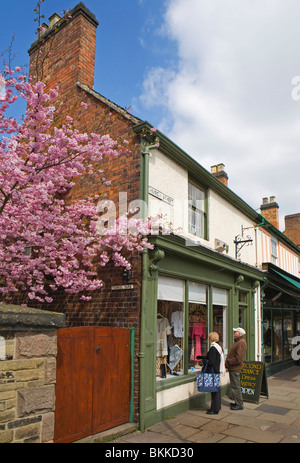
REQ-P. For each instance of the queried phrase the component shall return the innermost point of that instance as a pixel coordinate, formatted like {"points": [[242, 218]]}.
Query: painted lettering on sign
{"points": [[253, 380]]}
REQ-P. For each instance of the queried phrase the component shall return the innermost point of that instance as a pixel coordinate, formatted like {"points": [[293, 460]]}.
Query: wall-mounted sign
{"points": [[162, 196], [116, 288]]}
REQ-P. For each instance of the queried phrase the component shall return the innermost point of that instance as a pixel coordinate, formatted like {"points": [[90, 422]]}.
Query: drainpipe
{"points": [[259, 297], [144, 179], [141, 354], [256, 238]]}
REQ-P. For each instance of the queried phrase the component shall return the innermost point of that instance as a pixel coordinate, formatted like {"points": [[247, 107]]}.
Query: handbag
{"points": [[208, 382]]}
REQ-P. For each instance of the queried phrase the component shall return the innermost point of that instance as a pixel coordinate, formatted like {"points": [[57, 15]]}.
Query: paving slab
{"points": [[178, 431], [206, 437], [232, 440], [149, 437], [190, 419], [285, 419], [287, 431], [215, 426], [254, 435]]}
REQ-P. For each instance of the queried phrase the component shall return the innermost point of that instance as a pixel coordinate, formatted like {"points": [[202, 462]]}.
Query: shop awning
{"points": [[290, 280]]}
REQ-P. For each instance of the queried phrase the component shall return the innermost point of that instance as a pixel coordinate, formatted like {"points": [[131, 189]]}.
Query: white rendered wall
{"points": [[224, 220]]}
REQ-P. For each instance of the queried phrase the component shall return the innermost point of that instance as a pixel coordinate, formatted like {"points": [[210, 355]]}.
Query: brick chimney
{"points": [[219, 172], [292, 228], [270, 210], [64, 52]]}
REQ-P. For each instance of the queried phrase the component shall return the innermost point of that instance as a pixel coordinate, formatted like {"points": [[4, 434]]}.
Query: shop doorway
{"points": [[93, 381]]}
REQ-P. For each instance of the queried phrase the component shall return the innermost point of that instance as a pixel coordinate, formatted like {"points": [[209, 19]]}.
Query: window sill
{"points": [[167, 383]]}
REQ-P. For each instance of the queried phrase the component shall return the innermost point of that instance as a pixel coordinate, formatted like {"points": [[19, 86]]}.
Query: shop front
{"points": [[187, 293], [280, 318]]}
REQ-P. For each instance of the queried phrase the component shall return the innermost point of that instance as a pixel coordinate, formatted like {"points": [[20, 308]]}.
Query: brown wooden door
{"points": [[92, 382], [111, 391]]}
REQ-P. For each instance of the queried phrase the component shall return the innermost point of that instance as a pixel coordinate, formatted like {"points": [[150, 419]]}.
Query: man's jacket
{"points": [[236, 355]]}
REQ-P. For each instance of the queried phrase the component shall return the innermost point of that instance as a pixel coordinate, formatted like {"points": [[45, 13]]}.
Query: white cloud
{"points": [[229, 96]]}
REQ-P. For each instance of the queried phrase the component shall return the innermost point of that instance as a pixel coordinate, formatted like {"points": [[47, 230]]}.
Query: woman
{"points": [[215, 361]]}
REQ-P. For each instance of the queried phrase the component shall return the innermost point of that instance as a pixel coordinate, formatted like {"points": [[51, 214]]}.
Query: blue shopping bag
{"points": [[208, 382]]}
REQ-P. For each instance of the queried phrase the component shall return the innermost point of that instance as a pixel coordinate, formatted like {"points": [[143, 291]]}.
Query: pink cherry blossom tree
{"points": [[46, 241]]}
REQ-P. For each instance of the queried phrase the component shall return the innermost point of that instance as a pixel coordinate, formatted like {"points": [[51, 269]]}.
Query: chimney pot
{"points": [[219, 172], [54, 19], [42, 31], [270, 210]]}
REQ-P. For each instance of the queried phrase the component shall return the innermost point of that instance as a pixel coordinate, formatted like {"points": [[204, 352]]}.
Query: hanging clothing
{"points": [[175, 355], [163, 330], [198, 333], [177, 323]]}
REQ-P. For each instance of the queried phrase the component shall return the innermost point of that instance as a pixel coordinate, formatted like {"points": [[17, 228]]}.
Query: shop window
{"points": [[198, 323], [297, 333], [277, 335], [170, 328], [287, 335], [267, 336], [220, 304], [243, 305], [196, 201]]}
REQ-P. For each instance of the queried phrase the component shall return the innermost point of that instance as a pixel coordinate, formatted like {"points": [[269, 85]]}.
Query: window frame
{"points": [[194, 210]]}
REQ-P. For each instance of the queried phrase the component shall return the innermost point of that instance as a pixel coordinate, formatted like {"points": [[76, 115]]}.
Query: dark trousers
{"points": [[216, 401]]}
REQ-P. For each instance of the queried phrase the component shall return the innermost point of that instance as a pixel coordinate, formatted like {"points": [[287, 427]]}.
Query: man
{"points": [[234, 363]]}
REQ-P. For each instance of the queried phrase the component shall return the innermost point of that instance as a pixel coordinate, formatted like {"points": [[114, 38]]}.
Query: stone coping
{"points": [[20, 318]]}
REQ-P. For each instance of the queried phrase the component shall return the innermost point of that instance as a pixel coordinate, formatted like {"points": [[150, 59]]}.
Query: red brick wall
{"points": [[271, 212], [72, 60], [66, 53], [292, 228]]}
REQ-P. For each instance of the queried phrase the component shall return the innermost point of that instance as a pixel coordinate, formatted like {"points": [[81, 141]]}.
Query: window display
{"points": [[198, 321], [277, 334], [176, 355], [220, 315], [170, 327]]}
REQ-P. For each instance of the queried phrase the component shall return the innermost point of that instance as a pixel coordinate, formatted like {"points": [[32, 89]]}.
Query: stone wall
{"points": [[28, 349]]}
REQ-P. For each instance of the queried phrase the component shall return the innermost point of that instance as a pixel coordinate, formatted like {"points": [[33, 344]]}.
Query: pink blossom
{"points": [[46, 243]]}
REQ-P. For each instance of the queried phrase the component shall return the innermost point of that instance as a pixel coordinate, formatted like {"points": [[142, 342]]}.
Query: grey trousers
{"points": [[235, 383]]}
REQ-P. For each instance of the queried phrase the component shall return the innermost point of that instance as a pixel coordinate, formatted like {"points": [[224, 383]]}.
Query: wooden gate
{"points": [[92, 382]]}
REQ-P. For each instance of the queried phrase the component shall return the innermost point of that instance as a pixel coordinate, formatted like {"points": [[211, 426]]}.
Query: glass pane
{"points": [[220, 324], [170, 339], [197, 292], [197, 341], [242, 316], [287, 334], [170, 289], [277, 335], [196, 210], [219, 296], [267, 336]]}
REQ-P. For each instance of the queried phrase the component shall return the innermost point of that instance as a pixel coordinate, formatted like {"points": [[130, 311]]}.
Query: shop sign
{"points": [[253, 381]]}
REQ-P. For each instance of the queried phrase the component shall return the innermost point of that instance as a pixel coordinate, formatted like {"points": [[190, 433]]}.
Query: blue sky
{"points": [[128, 40], [215, 76]]}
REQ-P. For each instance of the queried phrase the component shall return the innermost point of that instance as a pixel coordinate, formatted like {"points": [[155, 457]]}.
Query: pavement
{"points": [[275, 419]]}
